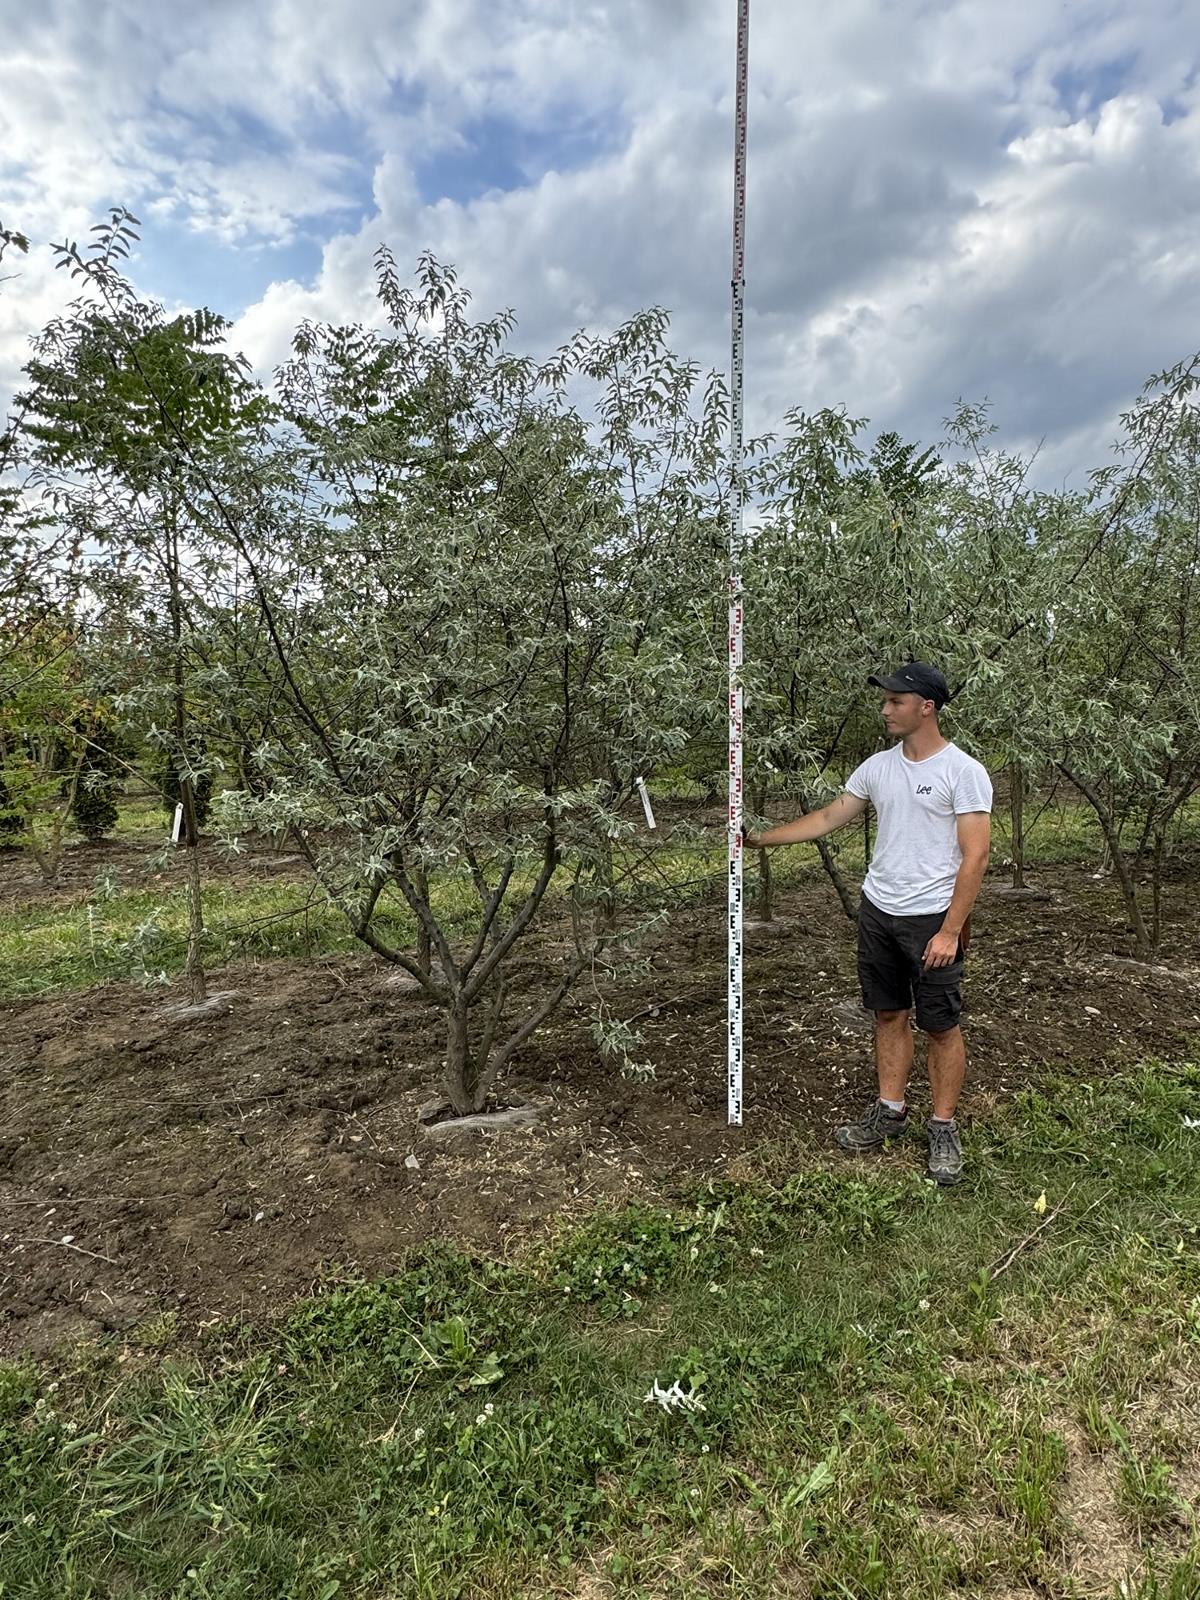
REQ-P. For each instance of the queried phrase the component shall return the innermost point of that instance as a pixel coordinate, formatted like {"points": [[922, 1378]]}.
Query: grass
{"points": [[53, 945], [864, 1410], [143, 818]]}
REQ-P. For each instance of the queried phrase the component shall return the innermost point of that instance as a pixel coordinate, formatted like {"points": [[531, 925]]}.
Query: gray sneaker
{"points": [[945, 1165], [874, 1129]]}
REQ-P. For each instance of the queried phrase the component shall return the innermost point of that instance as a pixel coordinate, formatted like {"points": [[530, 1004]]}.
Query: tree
{"points": [[42, 752], [480, 621], [123, 403], [846, 570], [1122, 679], [102, 773]]}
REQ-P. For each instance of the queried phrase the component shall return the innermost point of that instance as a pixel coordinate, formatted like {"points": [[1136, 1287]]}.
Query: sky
{"points": [[975, 199]]}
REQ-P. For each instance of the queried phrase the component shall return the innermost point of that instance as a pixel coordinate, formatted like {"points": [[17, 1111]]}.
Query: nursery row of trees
{"points": [[431, 607]]}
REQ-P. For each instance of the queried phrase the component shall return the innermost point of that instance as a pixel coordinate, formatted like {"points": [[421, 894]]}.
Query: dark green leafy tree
{"points": [[123, 402]]}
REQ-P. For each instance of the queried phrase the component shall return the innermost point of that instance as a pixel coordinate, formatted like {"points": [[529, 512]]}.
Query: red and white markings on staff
{"points": [[736, 536]]}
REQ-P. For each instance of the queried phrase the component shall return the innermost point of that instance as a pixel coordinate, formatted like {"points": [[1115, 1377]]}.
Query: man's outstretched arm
{"points": [[814, 826]]}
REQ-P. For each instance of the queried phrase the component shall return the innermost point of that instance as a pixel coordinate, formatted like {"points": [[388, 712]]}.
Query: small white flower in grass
{"points": [[922, 1305], [676, 1398]]}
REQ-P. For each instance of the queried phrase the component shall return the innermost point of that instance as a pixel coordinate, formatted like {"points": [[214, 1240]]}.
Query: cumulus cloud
{"points": [[946, 198]]}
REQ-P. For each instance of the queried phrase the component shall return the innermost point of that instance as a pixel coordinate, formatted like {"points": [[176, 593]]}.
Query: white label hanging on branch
{"points": [[641, 787]]}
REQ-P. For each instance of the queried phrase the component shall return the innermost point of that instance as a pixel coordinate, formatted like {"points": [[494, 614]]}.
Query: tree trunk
{"points": [[833, 872], [195, 961], [1143, 947], [456, 1077], [764, 909], [606, 901], [1156, 873], [49, 858], [1016, 807], [472, 1066], [197, 987], [424, 942], [764, 896], [838, 878]]}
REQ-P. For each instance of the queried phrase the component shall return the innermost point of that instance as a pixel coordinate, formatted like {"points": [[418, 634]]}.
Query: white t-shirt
{"points": [[917, 856]]}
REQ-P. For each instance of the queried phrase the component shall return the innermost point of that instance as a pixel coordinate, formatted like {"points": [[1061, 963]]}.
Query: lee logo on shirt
{"points": [[924, 788]]}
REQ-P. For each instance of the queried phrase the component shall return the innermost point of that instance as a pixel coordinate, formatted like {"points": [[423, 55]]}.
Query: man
{"points": [[933, 805]]}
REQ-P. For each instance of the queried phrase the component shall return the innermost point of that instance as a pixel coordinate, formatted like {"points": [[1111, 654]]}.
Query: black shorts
{"points": [[891, 974]]}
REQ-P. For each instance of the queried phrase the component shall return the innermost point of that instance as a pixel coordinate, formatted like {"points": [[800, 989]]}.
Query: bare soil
{"points": [[226, 1164]]}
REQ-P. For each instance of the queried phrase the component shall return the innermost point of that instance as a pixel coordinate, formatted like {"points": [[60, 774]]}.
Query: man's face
{"points": [[903, 714]]}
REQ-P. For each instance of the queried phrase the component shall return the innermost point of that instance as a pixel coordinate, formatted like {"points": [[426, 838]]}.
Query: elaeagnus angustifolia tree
{"points": [[1120, 694], [479, 578], [845, 571]]}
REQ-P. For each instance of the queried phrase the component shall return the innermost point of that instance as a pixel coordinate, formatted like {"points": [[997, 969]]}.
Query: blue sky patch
{"points": [[495, 153], [1085, 89], [199, 269]]}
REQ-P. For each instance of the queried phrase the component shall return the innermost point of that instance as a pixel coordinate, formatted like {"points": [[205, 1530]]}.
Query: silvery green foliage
{"points": [[619, 1041], [863, 560], [859, 559], [479, 579], [1117, 696]]}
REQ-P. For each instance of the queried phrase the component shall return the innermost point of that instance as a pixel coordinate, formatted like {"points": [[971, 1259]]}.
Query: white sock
{"points": [[893, 1105]]}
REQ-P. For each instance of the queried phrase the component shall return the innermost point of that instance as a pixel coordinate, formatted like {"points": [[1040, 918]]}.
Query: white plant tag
{"points": [[641, 783]]}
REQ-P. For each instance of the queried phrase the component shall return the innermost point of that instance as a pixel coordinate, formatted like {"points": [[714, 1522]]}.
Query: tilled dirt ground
{"points": [[225, 1164]]}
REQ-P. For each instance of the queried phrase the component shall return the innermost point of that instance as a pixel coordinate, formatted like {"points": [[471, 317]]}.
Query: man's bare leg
{"points": [[893, 1063], [947, 1057], [893, 1053]]}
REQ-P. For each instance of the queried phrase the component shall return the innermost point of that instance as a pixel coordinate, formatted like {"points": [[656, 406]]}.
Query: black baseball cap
{"points": [[915, 677]]}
